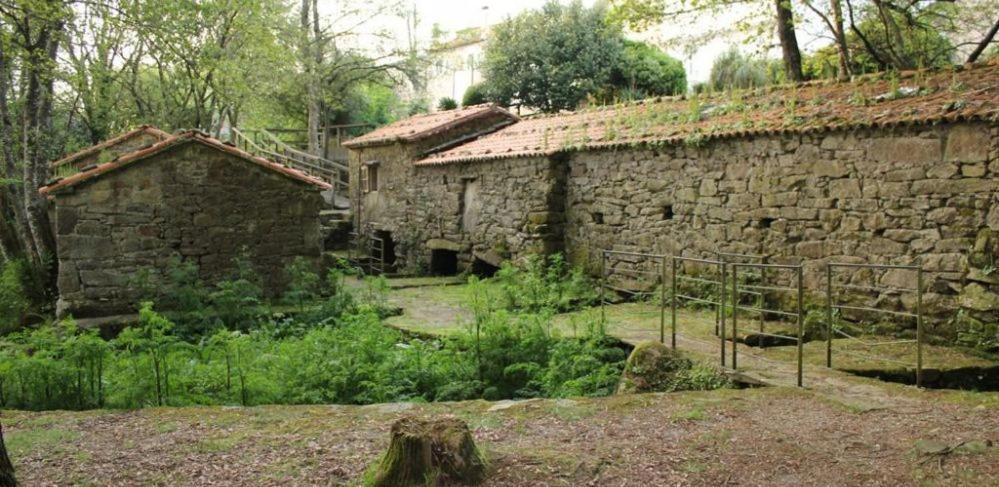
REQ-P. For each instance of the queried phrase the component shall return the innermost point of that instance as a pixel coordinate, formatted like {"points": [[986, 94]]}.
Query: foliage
{"points": [[545, 283], [346, 357], [732, 69], [474, 95], [644, 71], [447, 103], [13, 297], [552, 58]]}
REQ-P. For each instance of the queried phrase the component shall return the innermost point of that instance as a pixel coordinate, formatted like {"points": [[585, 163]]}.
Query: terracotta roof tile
{"points": [[422, 126], [94, 149], [97, 171], [877, 100]]}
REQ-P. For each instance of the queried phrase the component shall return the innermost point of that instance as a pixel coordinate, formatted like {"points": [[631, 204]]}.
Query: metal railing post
{"points": [[662, 300], [735, 316], [721, 309], [673, 301], [919, 327], [829, 315], [603, 288], [801, 325]]}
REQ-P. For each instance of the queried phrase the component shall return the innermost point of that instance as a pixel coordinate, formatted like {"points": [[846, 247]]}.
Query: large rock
{"points": [[976, 297], [651, 367]]}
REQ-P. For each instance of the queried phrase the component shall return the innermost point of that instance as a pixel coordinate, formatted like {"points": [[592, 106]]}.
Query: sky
{"points": [[455, 15]]}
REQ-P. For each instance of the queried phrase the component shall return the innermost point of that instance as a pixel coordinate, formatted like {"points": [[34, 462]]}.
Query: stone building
{"points": [[185, 196], [897, 169]]}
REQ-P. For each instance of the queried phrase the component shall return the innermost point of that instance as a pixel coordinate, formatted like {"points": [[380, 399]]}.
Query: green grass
{"points": [[50, 440]]}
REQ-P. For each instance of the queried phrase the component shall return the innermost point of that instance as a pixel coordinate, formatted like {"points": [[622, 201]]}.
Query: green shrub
{"points": [[446, 103], [475, 95], [14, 302], [545, 284]]}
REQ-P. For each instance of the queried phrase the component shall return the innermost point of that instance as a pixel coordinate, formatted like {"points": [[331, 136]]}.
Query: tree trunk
{"points": [[788, 41], [6, 467], [984, 44], [430, 452], [311, 59], [842, 48]]}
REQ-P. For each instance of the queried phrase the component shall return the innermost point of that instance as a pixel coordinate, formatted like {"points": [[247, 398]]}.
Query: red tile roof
{"points": [[871, 101], [191, 136], [94, 149], [422, 126]]}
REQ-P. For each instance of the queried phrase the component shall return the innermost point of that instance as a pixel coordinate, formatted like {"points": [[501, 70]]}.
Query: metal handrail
{"points": [[333, 175]]}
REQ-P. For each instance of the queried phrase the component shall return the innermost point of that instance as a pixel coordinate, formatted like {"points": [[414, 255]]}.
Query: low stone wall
{"points": [[193, 202], [923, 194]]}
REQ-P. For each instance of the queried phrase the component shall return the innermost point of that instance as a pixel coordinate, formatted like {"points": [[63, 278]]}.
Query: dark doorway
{"points": [[388, 253], [443, 262], [483, 269]]}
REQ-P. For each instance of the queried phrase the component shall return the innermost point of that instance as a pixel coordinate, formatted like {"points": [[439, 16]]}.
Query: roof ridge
{"points": [[109, 143], [188, 135]]}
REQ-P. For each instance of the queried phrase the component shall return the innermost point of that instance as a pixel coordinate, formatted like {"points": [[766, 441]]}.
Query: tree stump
{"points": [[6, 467], [430, 452]]}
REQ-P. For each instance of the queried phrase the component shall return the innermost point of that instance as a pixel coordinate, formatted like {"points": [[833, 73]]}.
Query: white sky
{"points": [[455, 15]]}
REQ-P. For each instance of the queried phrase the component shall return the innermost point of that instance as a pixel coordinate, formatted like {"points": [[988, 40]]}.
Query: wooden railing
{"points": [[264, 144]]}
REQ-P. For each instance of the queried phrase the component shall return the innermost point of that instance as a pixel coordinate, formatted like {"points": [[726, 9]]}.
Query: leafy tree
{"points": [[552, 58], [447, 103], [645, 70]]}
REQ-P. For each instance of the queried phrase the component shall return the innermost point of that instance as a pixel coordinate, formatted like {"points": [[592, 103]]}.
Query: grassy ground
{"points": [[741, 437], [443, 309], [838, 430]]}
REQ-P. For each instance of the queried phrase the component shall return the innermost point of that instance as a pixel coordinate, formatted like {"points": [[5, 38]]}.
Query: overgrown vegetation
{"points": [[223, 344]]}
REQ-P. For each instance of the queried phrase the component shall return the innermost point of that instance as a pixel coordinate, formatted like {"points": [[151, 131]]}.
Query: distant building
{"points": [[456, 65], [150, 198]]}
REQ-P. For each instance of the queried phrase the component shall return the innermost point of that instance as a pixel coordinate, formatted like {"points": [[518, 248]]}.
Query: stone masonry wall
{"points": [[390, 207], [922, 194], [192, 202]]}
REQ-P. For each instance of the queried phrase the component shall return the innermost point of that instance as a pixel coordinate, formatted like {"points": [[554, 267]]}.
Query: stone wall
{"points": [[927, 195], [192, 202], [391, 208]]}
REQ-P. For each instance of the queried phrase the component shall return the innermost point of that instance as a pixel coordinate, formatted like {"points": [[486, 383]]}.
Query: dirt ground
{"points": [[766, 436]]}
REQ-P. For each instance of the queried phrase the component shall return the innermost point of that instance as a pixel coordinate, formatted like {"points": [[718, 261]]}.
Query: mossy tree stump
{"points": [[6, 467], [430, 452]]}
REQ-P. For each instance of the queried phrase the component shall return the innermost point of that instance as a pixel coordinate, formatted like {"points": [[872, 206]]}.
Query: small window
{"points": [[369, 177], [668, 212]]}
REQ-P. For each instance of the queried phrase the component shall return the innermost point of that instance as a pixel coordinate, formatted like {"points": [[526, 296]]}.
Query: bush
{"points": [[475, 95], [446, 103], [645, 71], [542, 283]]}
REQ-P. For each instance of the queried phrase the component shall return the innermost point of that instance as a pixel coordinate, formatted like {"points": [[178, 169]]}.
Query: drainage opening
{"points": [[483, 269], [443, 262]]}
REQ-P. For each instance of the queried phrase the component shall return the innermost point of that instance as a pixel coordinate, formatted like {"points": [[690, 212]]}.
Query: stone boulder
{"points": [[651, 367]]}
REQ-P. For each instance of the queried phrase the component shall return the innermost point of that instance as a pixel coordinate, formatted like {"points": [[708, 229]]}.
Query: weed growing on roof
{"points": [[694, 109]]}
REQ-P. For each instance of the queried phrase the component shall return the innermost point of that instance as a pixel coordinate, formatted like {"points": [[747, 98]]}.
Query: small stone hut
{"points": [[887, 169], [185, 196]]}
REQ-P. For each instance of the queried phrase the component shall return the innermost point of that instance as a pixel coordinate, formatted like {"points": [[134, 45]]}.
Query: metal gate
{"points": [[833, 304], [680, 267], [790, 273], [648, 269]]}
